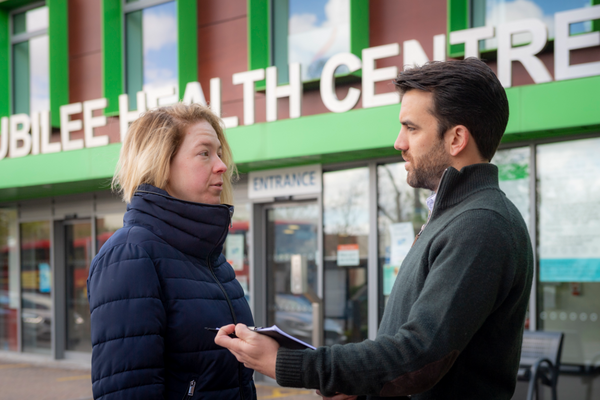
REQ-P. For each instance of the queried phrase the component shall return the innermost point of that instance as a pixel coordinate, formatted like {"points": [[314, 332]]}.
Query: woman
{"points": [[161, 279]]}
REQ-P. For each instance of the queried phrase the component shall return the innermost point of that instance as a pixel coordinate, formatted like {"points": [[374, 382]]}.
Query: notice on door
{"points": [[234, 251], [348, 255]]}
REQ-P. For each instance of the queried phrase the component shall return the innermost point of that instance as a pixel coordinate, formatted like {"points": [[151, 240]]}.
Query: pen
{"points": [[231, 335]]}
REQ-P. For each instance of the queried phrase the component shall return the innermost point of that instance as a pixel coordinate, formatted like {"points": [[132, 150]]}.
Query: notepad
{"points": [[284, 339]]}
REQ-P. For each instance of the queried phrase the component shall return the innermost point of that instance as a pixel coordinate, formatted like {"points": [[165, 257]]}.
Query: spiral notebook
{"points": [[284, 339]]}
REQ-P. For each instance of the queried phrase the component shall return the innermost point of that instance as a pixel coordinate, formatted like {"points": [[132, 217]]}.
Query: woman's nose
{"points": [[220, 166]]}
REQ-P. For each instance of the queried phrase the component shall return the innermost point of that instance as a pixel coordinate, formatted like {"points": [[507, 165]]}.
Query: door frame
{"points": [[60, 286], [258, 251]]}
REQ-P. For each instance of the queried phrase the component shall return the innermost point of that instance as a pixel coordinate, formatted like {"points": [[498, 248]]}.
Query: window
{"points": [[309, 33], [464, 14], [30, 67], [36, 287], [513, 176], [402, 211], [150, 48], [496, 12], [237, 244], [9, 279], [569, 246], [281, 32], [346, 250]]}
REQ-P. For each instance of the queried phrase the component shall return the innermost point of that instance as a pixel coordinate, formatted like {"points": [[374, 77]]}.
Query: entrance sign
{"points": [[285, 182]]}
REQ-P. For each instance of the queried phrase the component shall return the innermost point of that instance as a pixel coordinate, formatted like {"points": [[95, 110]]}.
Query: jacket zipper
{"points": [[228, 300], [190, 391], [192, 385], [434, 208]]}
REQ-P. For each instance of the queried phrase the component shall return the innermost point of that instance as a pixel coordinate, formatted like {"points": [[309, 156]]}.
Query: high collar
{"points": [[455, 186], [193, 228]]}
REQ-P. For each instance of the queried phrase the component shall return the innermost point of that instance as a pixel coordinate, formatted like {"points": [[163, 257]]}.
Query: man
{"points": [[453, 325]]}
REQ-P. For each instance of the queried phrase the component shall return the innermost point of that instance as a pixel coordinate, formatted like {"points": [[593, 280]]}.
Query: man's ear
{"points": [[457, 138]]}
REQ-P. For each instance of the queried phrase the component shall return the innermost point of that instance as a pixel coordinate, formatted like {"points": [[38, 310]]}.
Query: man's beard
{"points": [[427, 170]]}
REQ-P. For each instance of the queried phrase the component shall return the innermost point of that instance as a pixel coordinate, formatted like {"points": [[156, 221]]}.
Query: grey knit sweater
{"points": [[453, 325]]}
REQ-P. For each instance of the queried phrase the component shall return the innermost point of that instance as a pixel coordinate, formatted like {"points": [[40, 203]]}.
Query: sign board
{"points": [[348, 255], [234, 251], [285, 182]]}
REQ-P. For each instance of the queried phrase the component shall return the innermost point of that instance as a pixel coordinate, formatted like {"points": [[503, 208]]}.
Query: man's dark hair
{"points": [[465, 92]]}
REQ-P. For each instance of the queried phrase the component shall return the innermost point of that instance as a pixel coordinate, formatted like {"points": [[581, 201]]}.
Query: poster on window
{"points": [[234, 251], [402, 236], [569, 211]]}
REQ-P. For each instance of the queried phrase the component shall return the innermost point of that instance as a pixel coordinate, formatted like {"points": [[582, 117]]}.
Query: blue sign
{"points": [[44, 273], [570, 270]]}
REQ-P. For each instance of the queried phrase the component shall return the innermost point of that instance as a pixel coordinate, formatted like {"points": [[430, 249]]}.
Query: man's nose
{"points": [[400, 143]]}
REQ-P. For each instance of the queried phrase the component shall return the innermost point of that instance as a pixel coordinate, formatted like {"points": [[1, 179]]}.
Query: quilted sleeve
{"points": [[128, 322]]}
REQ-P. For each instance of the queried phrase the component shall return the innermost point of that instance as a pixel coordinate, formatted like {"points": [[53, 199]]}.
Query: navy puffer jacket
{"points": [[153, 287]]}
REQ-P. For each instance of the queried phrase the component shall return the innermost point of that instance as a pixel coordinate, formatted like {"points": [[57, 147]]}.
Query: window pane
{"points": [[31, 21], [160, 46], [513, 173], [39, 83], [21, 78], [9, 279], [402, 211], [496, 12], [78, 256], [569, 245], [237, 245], [346, 228], [36, 306], [151, 49], [106, 226], [37, 19], [291, 233], [316, 30]]}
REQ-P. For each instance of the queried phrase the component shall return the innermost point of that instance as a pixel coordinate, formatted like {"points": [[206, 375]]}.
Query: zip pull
{"points": [[191, 388]]}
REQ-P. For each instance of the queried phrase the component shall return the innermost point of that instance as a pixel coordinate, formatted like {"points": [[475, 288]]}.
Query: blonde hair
{"points": [[153, 140]]}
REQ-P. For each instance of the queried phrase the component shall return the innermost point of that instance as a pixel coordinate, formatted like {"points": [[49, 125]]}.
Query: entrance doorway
{"points": [[292, 259], [78, 253]]}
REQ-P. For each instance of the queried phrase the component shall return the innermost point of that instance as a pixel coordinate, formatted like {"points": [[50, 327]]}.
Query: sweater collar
{"points": [[193, 228], [455, 186]]}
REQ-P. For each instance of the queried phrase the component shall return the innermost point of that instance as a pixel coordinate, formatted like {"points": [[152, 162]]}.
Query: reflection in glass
{"points": [[106, 226], [78, 256], [36, 306], [346, 228], [292, 232], [309, 33], [569, 246], [9, 279], [151, 44], [236, 245], [513, 174], [31, 20], [497, 12], [402, 211], [31, 63]]}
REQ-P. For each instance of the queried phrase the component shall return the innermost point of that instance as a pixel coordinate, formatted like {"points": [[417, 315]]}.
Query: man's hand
{"points": [[339, 396], [254, 350]]}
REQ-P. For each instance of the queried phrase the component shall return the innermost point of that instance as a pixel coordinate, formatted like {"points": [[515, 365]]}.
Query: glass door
{"points": [[78, 257], [292, 233]]}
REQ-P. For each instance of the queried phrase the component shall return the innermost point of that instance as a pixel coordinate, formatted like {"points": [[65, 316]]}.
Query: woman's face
{"points": [[197, 170]]}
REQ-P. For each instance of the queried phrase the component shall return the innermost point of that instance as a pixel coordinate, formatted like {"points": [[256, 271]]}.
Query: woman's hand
{"points": [[254, 350]]}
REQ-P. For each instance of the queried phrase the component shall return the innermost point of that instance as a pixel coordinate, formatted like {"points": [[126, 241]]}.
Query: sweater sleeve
{"points": [[468, 277], [128, 324]]}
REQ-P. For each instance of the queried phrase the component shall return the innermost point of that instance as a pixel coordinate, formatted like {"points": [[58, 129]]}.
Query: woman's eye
{"points": [[203, 153]]}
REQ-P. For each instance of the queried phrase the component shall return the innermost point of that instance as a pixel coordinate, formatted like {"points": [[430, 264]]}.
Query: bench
{"points": [[540, 360]]}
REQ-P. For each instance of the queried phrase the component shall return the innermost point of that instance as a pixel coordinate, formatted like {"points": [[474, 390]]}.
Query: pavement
{"points": [[33, 377]]}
